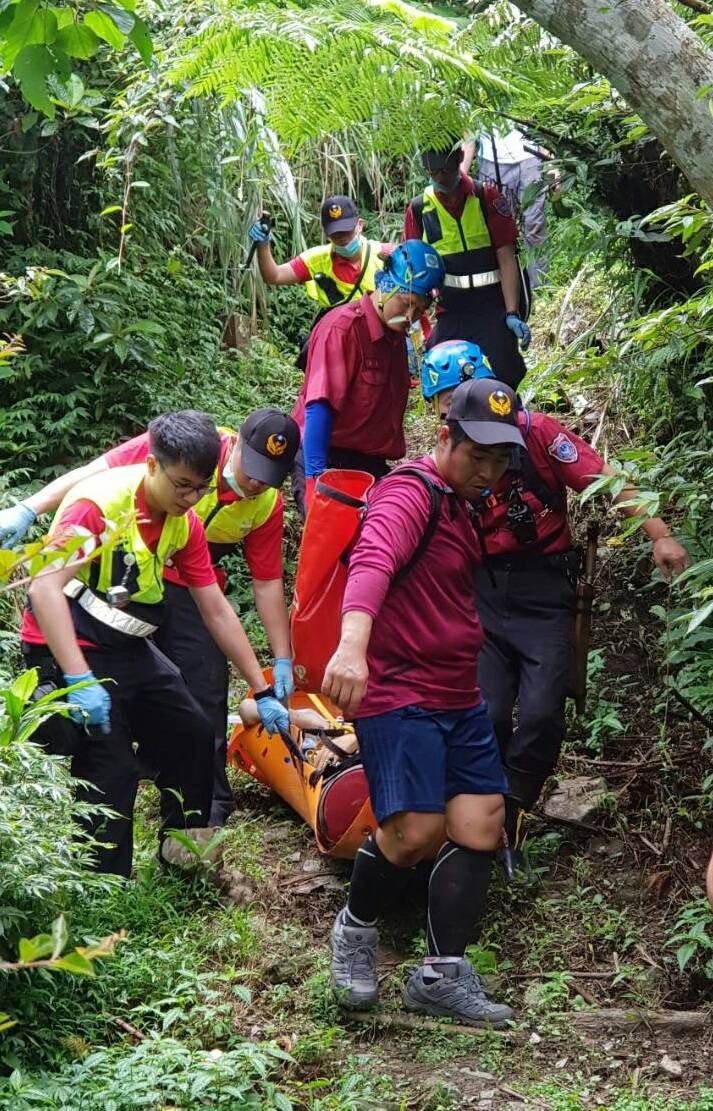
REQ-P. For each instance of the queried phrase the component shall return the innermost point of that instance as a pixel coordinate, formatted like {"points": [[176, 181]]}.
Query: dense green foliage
{"points": [[142, 141]]}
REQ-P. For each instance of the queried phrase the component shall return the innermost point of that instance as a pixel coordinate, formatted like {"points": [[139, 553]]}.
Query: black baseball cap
{"points": [[486, 410], [338, 214], [269, 441], [445, 157]]}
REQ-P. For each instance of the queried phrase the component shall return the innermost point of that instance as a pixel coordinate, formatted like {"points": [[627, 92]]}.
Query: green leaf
{"points": [[700, 616], [32, 67], [35, 948], [76, 964], [25, 684], [123, 19], [684, 954], [105, 27], [127, 5], [78, 41], [109, 209], [28, 121], [27, 28], [141, 39], [60, 936]]}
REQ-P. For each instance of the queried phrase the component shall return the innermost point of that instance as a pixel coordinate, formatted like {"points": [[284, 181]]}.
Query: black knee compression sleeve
{"points": [[375, 882], [457, 894]]}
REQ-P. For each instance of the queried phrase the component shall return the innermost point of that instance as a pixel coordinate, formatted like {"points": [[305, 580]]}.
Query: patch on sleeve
{"points": [[502, 205], [563, 449]]}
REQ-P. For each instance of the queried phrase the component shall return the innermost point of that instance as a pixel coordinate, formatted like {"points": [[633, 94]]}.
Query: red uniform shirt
{"points": [[262, 546], [501, 224], [192, 563], [426, 633], [360, 367], [562, 459]]}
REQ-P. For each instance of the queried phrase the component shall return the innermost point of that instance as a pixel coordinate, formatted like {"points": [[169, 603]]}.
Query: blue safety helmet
{"points": [[448, 364], [412, 267]]}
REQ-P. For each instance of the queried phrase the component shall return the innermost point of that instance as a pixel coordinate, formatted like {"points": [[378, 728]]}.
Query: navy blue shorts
{"points": [[418, 759]]}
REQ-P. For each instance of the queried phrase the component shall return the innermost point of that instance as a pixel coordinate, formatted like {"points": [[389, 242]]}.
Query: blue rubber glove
{"points": [[258, 233], [93, 703], [519, 328], [283, 679], [14, 523], [273, 714]]}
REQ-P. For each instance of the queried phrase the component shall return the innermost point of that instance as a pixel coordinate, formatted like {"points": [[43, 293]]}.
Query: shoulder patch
{"points": [[563, 449], [502, 205]]}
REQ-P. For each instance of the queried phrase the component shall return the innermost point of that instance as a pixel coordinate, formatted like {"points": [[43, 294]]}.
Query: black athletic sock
{"points": [[457, 894], [375, 882]]}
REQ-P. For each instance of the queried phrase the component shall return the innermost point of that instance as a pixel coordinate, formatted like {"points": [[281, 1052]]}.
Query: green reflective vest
{"points": [[230, 522], [332, 290], [114, 493]]}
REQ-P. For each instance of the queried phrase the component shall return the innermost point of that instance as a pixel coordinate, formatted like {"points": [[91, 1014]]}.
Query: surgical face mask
{"points": [[350, 249], [230, 478], [446, 188]]}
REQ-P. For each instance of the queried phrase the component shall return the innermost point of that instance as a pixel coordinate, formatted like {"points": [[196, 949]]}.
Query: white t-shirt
{"points": [[510, 147]]}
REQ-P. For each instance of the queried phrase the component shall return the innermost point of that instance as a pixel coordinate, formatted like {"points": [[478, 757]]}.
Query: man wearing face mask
{"points": [[472, 228], [243, 506], [333, 272], [352, 404]]}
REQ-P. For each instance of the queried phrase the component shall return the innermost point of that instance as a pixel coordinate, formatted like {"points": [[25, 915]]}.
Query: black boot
{"points": [[511, 858]]}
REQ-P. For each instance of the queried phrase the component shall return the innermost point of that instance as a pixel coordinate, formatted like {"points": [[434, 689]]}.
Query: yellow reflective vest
{"points": [[114, 493], [465, 247], [230, 522], [331, 290]]}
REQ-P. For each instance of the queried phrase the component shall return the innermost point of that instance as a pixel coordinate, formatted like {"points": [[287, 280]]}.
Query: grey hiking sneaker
{"points": [[354, 964], [460, 996]]}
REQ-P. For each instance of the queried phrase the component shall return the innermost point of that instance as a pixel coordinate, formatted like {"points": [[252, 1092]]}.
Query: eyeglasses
{"points": [[185, 488]]}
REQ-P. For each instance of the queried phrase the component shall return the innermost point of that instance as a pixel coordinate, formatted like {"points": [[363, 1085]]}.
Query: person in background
{"points": [[513, 165], [91, 621], [332, 273], [352, 404], [473, 229], [243, 507]]}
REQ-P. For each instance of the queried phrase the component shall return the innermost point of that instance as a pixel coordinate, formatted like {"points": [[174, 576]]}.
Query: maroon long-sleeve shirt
{"points": [[426, 634]]}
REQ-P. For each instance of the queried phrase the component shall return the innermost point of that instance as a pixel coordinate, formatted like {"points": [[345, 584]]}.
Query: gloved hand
{"points": [[272, 713], [14, 523], [259, 233], [93, 703], [519, 328], [282, 677]]}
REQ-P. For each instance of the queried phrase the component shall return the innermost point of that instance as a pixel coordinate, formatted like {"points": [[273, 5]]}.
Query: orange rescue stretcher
{"points": [[332, 797]]}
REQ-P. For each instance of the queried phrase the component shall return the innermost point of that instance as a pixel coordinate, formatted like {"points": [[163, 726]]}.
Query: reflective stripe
{"points": [[472, 281], [108, 615]]}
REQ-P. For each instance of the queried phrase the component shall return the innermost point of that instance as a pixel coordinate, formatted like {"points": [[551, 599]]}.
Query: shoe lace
{"points": [[358, 960]]}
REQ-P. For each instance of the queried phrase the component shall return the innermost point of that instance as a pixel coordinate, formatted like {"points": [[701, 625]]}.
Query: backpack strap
{"points": [[521, 464], [436, 493]]}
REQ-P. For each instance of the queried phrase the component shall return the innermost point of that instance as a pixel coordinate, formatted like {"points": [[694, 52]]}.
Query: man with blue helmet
{"points": [[447, 365], [352, 404]]}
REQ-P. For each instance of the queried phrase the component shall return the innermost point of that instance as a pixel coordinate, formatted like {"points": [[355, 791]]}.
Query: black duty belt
{"points": [[567, 561]]}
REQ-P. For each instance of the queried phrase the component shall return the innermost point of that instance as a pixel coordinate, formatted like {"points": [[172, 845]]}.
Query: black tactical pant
{"points": [[152, 709], [527, 613], [492, 335], [184, 639]]}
